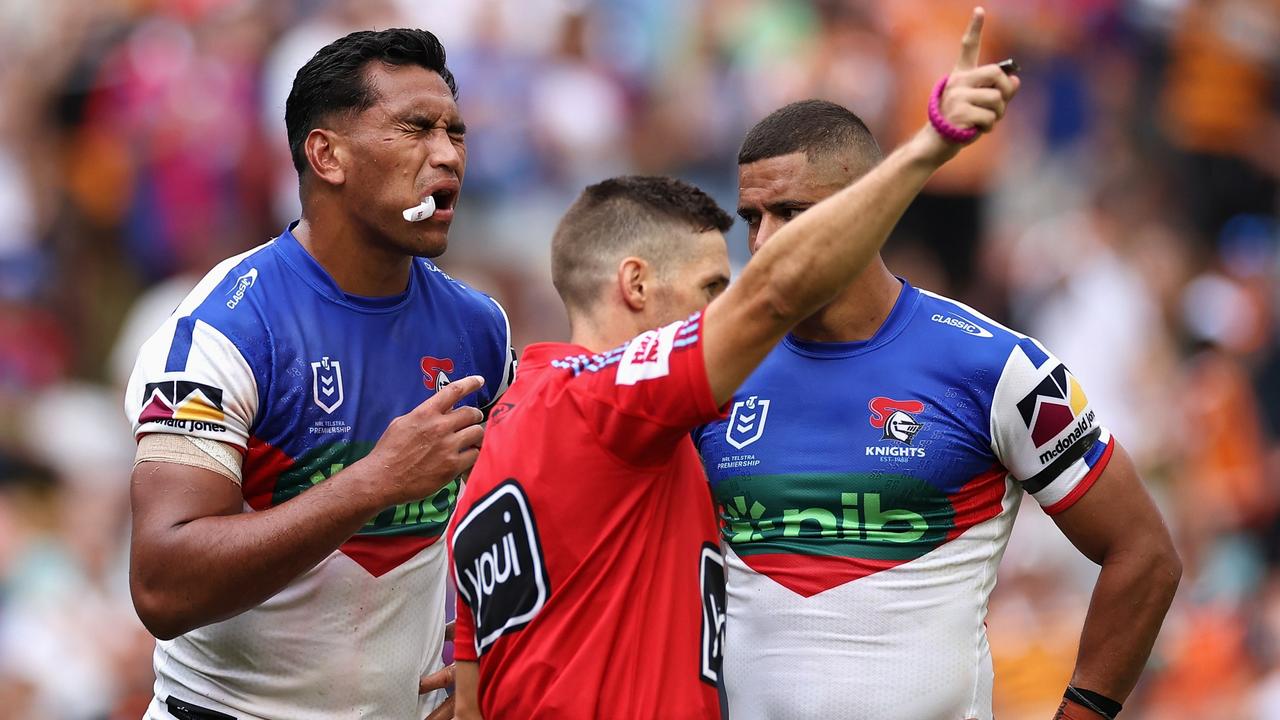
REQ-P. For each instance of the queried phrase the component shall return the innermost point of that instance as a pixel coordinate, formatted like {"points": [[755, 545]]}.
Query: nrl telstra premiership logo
{"points": [[326, 384], [746, 422]]}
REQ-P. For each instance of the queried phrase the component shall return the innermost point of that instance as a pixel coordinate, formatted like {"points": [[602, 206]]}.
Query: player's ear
{"points": [[634, 282], [325, 155]]}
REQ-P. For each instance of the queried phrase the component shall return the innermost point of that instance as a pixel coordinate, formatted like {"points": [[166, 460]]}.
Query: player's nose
{"points": [[442, 152]]}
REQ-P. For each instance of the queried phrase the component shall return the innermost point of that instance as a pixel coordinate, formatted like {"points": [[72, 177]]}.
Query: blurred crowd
{"points": [[1126, 214]]}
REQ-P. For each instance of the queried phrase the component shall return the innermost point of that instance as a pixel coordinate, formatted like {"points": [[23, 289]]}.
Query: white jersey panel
{"points": [[908, 643]]}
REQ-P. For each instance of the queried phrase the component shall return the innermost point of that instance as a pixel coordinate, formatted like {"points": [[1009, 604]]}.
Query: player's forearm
{"points": [[817, 254], [213, 568], [1129, 603]]}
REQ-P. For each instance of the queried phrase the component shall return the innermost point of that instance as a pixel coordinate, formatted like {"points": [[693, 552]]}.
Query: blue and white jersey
{"points": [[268, 355], [867, 491]]}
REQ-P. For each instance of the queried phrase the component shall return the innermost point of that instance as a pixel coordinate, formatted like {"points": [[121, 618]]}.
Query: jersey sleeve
{"points": [[1045, 431], [190, 379], [644, 397]]}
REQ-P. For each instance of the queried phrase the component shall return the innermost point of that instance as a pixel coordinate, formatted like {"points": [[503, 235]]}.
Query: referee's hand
{"points": [[976, 96], [426, 448]]}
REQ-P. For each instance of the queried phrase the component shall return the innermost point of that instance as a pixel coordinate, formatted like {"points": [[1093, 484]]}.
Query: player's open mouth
{"points": [[445, 198]]}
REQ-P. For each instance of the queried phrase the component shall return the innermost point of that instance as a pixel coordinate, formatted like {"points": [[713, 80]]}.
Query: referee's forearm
{"points": [[1129, 602]]}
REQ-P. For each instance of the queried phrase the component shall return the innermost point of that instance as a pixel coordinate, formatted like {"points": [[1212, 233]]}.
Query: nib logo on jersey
{"points": [[897, 419], [811, 533], [1055, 406], [183, 404]]}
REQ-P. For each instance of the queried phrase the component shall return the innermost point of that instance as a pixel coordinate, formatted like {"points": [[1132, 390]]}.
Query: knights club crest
{"points": [[746, 421], [326, 384]]}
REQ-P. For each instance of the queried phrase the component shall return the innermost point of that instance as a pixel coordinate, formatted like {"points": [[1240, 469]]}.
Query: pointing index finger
{"points": [[450, 394], [972, 41]]}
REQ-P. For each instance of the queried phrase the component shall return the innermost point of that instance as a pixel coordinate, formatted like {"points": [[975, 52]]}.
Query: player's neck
{"points": [[356, 266], [858, 312]]}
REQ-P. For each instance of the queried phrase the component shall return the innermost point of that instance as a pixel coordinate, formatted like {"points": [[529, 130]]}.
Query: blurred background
{"points": [[1125, 213]]}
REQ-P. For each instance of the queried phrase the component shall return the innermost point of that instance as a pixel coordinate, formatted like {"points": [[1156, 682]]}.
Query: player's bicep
{"points": [[743, 326], [1116, 512], [165, 495]]}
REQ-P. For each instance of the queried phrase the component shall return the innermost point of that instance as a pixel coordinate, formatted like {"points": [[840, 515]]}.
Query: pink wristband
{"points": [[949, 132]]}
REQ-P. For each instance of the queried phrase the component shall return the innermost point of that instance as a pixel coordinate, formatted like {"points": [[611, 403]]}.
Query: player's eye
{"points": [[792, 213]]}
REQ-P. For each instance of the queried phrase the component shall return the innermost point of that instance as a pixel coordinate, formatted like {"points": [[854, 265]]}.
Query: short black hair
{"points": [[817, 128], [621, 216], [334, 79]]}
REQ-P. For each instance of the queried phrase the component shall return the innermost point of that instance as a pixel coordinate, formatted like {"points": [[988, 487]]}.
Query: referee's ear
{"points": [[324, 153], [635, 282]]}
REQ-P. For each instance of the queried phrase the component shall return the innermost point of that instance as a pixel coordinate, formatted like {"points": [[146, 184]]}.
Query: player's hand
{"points": [[426, 448], [976, 95], [439, 680]]}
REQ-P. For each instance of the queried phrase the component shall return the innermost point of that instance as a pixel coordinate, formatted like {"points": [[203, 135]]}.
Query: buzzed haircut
{"points": [[642, 216], [818, 128], [334, 80]]}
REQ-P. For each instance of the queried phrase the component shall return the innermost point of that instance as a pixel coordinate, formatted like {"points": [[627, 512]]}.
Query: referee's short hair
{"points": [[642, 216], [818, 128]]}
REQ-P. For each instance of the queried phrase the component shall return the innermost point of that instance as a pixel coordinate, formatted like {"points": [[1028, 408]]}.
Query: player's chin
{"points": [[429, 242]]}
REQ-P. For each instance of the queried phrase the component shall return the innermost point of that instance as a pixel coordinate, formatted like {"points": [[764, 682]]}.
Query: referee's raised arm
{"points": [[816, 255]]}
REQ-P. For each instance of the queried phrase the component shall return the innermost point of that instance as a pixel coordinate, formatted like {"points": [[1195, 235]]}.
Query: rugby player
{"points": [[870, 470], [299, 430], [585, 547]]}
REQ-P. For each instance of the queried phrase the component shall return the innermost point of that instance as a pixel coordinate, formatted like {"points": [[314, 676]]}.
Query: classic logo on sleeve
{"points": [[497, 557], [1055, 405], [243, 283], [183, 404]]}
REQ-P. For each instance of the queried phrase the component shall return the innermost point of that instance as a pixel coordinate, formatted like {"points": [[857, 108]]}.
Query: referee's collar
{"points": [[543, 353]]}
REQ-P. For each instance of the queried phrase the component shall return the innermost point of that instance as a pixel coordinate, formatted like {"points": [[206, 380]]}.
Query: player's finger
{"points": [[973, 116], [437, 680], [449, 395], [972, 41], [448, 631], [444, 711], [467, 458], [471, 436], [989, 75], [461, 417], [989, 98]]}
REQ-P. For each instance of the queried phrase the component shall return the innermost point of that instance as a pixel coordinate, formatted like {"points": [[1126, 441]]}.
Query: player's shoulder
{"points": [[968, 338], [461, 296], [229, 296]]}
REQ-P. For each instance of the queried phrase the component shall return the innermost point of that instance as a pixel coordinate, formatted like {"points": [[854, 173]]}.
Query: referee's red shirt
{"points": [[585, 545]]}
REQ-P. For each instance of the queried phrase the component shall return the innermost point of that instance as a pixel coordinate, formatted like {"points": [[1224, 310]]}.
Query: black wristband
{"points": [[1096, 702]]}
